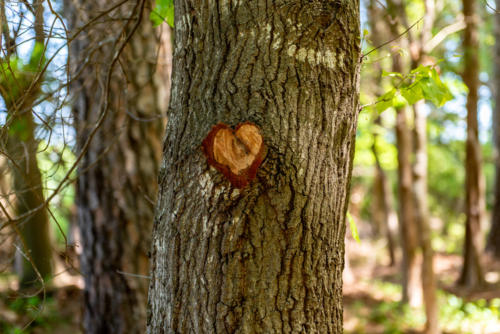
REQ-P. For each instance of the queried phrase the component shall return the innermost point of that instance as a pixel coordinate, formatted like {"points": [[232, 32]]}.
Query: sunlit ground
{"points": [[372, 296], [371, 299]]}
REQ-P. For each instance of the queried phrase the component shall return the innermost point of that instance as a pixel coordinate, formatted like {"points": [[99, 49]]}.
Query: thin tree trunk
{"points": [[412, 289], [384, 199], [494, 235], [117, 181], [471, 271], [429, 285], [22, 148], [267, 258], [390, 220]]}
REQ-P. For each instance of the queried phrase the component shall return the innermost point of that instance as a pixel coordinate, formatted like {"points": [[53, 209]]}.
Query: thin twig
{"points": [[392, 40]]}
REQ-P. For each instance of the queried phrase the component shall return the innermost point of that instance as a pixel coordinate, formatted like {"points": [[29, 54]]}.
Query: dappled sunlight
{"points": [[372, 297]]}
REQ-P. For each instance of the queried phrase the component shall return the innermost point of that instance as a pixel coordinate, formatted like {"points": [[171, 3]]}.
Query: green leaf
{"points": [[353, 228], [385, 101], [391, 74], [163, 11], [412, 93], [426, 85], [398, 101], [422, 70], [435, 91]]}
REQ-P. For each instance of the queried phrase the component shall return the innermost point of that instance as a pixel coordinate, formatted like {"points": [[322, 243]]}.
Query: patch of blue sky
{"points": [[54, 109]]}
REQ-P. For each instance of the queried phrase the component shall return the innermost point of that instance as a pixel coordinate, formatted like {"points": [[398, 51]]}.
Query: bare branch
{"points": [[443, 33], [394, 39]]}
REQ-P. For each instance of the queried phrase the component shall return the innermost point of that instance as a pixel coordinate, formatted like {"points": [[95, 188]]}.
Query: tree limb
{"points": [[443, 33]]}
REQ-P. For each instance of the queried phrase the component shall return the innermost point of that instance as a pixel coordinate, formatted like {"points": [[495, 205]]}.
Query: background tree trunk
{"points": [[117, 182], [386, 203], [384, 200], [429, 284], [412, 288], [474, 199], [494, 236], [20, 145], [267, 258], [22, 148]]}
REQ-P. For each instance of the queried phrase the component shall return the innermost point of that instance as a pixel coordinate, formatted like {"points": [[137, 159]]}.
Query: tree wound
{"points": [[237, 153]]}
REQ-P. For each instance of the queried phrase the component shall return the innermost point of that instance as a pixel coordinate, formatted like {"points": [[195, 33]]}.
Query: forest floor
{"points": [[372, 296]]}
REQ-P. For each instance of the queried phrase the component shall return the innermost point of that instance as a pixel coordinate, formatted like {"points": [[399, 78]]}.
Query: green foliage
{"points": [[489, 173], [54, 162], [38, 313], [460, 316], [456, 315], [364, 140], [13, 79], [163, 12], [17, 76], [422, 82], [446, 183], [353, 228]]}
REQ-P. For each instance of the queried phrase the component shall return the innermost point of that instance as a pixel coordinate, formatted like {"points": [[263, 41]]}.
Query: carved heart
{"points": [[236, 154]]}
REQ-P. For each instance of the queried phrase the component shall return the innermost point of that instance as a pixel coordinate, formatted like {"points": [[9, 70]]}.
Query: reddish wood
{"points": [[244, 177]]}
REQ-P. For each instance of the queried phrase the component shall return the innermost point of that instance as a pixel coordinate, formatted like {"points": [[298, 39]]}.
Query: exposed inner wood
{"points": [[237, 150]]}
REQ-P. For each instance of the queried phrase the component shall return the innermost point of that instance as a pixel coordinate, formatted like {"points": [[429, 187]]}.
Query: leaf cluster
{"points": [[422, 82], [163, 12]]}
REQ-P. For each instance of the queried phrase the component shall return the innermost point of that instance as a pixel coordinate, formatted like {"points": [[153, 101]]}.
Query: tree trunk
{"points": [[22, 147], [117, 182], [494, 236], [429, 285], [386, 204], [412, 289], [267, 258], [20, 89], [383, 197], [474, 199]]}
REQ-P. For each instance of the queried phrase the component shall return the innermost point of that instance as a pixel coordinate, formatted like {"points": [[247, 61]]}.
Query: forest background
{"points": [[74, 66]]}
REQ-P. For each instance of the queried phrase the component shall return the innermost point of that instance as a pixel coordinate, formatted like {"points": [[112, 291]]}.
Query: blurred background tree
{"points": [[21, 80], [120, 68]]}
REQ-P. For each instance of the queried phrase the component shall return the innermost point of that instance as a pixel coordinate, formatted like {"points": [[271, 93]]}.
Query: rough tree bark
{"points": [[494, 235], [117, 181], [474, 198], [267, 258]]}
